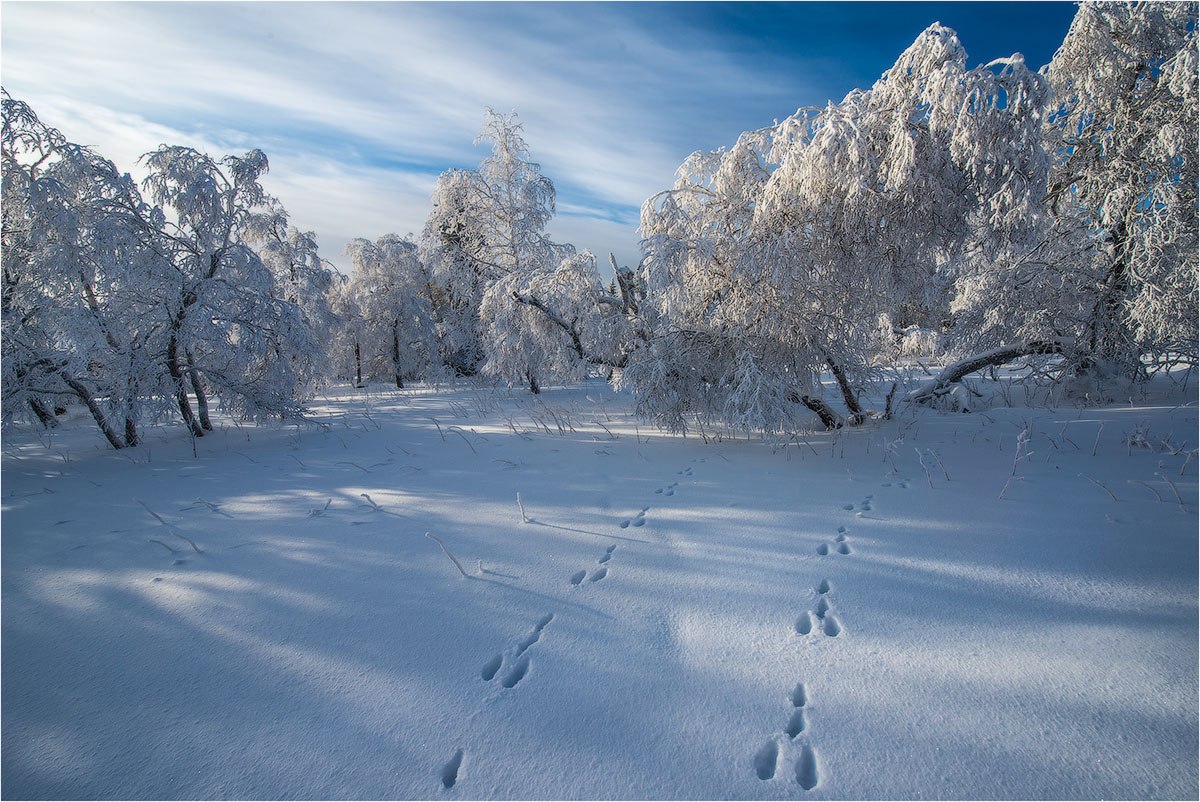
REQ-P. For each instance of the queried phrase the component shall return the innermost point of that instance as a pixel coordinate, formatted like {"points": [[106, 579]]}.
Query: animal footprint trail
{"points": [[807, 774], [488, 672], [795, 724], [534, 636], [450, 770], [601, 572], [518, 665], [637, 520], [765, 760], [515, 673]]}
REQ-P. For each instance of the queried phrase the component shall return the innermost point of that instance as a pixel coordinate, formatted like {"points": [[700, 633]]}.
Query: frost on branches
{"points": [[137, 308]]}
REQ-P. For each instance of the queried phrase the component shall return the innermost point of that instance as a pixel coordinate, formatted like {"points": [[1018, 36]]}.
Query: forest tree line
{"points": [[999, 211]]}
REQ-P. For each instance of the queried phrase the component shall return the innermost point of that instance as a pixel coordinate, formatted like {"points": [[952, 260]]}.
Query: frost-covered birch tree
{"points": [[495, 268], [774, 262], [77, 314], [1111, 279], [225, 327], [393, 297]]}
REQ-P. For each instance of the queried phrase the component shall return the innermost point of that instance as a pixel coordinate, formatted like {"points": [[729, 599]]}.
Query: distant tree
{"points": [[303, 280], [492, 261], [392, 293], [552, 325]]}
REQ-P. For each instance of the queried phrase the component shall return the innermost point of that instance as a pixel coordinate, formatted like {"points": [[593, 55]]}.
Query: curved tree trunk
{"points": [[857, 415], [201, 396], [951, 374], [44, 415], [85, 395], [175, 368]]}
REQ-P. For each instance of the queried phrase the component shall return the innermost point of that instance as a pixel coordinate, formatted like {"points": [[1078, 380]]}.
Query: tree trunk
{"points": [[201, 397], [131, 435], [953, 373], [357, 365], [44, 415], [97, 413], [831, 419], [857, 415], [181, 398], [396, 358], [533, 382]]}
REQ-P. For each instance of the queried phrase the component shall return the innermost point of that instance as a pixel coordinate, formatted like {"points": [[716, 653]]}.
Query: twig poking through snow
{"points": [[938, 459], [446, 551], [456, 430], [1011, 479], [921, 459], [1149, 487], [1174, 490], [371, 502], [1101, 484], [524, 518], [1096, 444]]}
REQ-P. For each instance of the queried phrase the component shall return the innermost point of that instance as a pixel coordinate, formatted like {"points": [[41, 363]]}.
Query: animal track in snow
{"points": [[824, 587], [795, 724], [804, 624], [577, 577], [807, 773], [516, 670], [831, 626], [847, 507], [823, 549], [607, 555], [515, 673], [765, 760], [450, 770], [534, 636], [844, 548], [799, 695], [822, 607], [491, 667], [600, 574]]}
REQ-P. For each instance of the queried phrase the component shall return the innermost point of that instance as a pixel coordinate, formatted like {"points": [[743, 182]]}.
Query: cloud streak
{"points": [[360, 105]]}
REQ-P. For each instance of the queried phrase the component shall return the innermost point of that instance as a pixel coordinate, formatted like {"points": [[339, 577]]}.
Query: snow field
{"points": [[674, 619]]}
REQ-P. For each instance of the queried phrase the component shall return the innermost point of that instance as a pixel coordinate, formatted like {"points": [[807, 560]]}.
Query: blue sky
{"points": [[359, 106]]}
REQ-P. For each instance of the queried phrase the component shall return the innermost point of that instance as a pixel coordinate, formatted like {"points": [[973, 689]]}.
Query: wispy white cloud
{"points": [[359, 105]]}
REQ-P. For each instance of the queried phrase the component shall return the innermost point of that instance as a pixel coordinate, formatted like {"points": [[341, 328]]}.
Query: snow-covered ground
{"points": [[676, 619]]}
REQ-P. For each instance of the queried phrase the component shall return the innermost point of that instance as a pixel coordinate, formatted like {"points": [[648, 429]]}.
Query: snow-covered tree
{"points": [[77, 315], [486, 245], [775, 261], [1112, 275], [304, 280], [552, 325], [1125, 130], [225, 328], [393, 295]]}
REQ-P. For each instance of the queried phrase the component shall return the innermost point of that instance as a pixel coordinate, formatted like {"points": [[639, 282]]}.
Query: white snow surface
{"points": [[673, 612]]}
